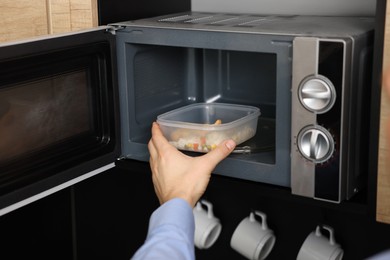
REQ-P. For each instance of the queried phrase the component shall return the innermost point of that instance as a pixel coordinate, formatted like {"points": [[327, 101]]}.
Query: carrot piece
{"points": [[202, 140], [196, 146]]}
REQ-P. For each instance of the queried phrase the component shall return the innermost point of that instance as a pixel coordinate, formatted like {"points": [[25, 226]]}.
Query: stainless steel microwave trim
{"points": [[304, 171]]}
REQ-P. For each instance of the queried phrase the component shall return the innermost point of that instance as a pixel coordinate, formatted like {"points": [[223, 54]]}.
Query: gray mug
{"points": [[207, 226], [253, 239]]}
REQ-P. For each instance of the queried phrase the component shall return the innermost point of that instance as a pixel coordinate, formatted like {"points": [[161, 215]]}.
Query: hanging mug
{"points": [[253, 239], [319, 247], [207, 226]]}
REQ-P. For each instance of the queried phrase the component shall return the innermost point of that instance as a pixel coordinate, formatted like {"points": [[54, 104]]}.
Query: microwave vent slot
{"points": [[253, 21], [219, 20], [213, 20], [186, 18]]}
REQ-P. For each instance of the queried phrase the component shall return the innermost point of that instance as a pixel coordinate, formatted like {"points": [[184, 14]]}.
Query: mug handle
{"points": [[208, 205], [332, 241], [263, 217]]}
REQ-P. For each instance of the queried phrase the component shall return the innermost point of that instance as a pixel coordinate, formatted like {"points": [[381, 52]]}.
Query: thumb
{"points": [[221, 151]]}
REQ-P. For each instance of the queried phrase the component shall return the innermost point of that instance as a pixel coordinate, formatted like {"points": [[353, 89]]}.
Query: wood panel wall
{"points": [[383, 191], [25, 18]]}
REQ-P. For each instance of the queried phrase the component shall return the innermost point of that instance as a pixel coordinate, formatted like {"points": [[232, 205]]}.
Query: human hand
{"points": [[176, 175]]}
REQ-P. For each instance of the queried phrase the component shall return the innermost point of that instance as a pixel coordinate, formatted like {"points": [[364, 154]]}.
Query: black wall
{"points": [[113, 211], [106, 217], [41, 230]]}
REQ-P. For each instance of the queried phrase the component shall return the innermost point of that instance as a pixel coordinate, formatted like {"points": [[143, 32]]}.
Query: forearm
{"points": [[171, 233]]}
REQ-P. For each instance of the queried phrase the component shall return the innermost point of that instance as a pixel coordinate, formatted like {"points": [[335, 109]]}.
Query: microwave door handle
{"points": [[242, 150], [248, 150]]}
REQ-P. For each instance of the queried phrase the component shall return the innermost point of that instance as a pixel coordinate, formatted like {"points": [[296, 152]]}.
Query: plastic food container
{"points": [[201, 127]]}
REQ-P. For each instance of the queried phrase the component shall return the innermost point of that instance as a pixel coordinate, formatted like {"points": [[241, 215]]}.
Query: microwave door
{"points": [[59, 115]]}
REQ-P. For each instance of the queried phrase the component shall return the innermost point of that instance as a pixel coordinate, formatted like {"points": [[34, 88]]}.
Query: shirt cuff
{"points": [[176, 212]]}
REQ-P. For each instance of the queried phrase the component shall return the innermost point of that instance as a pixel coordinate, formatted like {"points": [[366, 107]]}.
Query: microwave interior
{"points": [[155, 78], [170, 77]]}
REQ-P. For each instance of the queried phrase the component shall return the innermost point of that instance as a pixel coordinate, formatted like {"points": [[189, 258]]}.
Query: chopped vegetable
{"points": [[196, 146], [218, 122], [203, 141]]}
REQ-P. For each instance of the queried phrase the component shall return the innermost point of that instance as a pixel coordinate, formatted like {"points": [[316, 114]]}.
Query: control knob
{"points": [[317, 94], [315, 143]]}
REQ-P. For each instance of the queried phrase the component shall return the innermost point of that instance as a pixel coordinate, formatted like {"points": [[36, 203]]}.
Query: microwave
{"points": [[72, 104]]}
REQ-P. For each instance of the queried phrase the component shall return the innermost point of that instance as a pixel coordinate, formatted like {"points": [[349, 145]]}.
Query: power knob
{"points": [[315, 143], [317, 94]]}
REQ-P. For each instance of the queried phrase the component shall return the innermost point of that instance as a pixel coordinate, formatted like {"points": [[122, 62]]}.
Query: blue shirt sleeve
{"points": [[385, 255], [170, 234]]}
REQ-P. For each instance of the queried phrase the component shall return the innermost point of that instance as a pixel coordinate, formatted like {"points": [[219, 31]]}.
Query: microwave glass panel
{"points": [[43, 112], [56, 111]]}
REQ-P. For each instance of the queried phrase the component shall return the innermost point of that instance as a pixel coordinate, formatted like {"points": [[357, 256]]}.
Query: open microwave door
{"points": [[59, 115]]}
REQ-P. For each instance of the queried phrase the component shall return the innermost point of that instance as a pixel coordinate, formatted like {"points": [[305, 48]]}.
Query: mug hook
{"points": [[208, 205], [263, 217], [332, 241]]}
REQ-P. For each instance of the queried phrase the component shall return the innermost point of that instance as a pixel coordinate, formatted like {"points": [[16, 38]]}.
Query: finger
{"points": [[151, 147], [158, 139], [220, 152]]}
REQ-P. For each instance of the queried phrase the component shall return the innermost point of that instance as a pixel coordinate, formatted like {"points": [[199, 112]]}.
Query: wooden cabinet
{"points": [[24, 18], [383, 185]]}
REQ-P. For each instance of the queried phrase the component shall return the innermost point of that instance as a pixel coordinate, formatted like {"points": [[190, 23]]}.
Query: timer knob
{"points": [[315, 143], [317, 94]]}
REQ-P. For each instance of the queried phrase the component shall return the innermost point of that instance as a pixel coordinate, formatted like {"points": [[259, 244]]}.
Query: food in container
{"points": [[200, 127]]}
